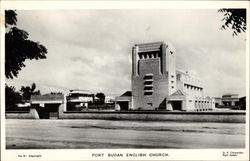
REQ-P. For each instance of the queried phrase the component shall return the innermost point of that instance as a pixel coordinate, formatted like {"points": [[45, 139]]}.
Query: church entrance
{"points": [[123, 105], [176, 105]]}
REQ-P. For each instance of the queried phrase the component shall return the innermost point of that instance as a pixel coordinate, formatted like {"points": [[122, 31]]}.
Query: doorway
{"points": [[50, 111], [176, 105], [123, 105]]}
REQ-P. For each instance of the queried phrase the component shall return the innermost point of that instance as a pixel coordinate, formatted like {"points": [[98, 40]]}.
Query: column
{"points": [[135, 61]]}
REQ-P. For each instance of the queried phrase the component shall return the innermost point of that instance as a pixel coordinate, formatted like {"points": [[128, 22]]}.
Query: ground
{"points": [[82, 134]]}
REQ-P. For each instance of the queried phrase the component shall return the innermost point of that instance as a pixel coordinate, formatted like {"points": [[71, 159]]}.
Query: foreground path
{"points": [[69, 134]]}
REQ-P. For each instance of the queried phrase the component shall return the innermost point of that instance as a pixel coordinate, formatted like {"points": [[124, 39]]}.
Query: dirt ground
{"points": [[91, 134]]}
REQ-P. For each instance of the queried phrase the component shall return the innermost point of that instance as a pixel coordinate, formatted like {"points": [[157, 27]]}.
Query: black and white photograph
{"points": [[125, 83]]}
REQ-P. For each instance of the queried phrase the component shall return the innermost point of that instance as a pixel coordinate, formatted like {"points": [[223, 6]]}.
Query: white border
{"points": [[85, 154]]}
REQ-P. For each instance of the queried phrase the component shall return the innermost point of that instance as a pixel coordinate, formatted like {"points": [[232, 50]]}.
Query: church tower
{"points": [[153, 75]]}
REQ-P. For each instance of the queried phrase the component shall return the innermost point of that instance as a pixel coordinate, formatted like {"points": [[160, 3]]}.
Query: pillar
{"points": [[64, 103], [169, 106], [135, 61], [163, 60], [171, 68]]}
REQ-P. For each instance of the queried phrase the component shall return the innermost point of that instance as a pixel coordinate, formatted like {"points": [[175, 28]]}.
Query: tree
{"points": [[18, 47], [12, 97], [234, 18], [101, 97], [28, 91]]}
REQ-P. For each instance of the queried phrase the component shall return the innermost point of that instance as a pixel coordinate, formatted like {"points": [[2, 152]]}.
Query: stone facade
{"points": [[158, 85]]}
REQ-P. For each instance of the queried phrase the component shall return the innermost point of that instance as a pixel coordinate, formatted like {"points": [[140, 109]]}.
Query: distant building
{"points": [[230, 99], [157, 84], [242, 103], [80, 98], [109, 100], [218, 101], [46, 99], [47, 104]]}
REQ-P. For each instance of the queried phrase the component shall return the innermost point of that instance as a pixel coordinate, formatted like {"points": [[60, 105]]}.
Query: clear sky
{"points": [[91, 49]]}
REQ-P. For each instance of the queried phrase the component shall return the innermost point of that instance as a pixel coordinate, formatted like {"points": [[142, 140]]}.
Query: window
{"points": [[171, 52], [150, 104], [148, 93], [148, 82], [189, 100], [148, 77], [148, 88], [172, 86], [172, 76], [172, 81]]}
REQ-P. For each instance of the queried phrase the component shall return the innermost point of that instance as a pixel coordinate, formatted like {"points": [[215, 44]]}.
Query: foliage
{"points": [[10, 18], [12, 97], [101, 97], [18, 47], [234, 18], [28, 91]]}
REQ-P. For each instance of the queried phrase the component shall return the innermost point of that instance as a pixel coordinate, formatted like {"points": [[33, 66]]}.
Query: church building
{"points": [[158, 85]]}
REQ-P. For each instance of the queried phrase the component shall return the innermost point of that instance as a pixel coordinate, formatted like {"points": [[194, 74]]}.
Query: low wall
{"points": [[32, 114], [228, 117]]}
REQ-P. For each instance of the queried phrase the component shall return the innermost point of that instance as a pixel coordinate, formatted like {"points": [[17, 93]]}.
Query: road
{"points": [[108, 134]]}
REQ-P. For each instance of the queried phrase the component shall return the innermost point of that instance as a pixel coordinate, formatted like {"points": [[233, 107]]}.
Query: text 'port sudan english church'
{"points": [[157, 85]]}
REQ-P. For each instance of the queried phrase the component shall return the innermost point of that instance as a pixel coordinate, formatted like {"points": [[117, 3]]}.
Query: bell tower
{"points": [[153, 75]]}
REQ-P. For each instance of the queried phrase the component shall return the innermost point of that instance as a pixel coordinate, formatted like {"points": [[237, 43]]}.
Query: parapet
{"points": [[149, 47]]}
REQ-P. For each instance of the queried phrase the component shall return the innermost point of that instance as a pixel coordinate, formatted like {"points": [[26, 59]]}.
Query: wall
{"points": [[190, 103], [228, 117], [32, 114], [160, 85], [149, 59]]}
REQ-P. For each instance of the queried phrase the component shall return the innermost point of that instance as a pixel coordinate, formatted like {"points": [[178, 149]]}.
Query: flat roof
{"points": [[77, 91]]}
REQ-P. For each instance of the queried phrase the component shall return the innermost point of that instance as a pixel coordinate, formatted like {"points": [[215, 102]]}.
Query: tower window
{"points": [[172, 86], [150, 104], [172, 76], [171, 52], [148, 82], [172, 81], [148, 93], [148, 88]]}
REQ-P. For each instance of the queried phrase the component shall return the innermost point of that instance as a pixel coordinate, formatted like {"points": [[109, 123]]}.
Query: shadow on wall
{"points": [[163, 105]]}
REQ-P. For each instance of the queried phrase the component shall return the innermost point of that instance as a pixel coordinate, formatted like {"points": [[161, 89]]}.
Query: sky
{"points": [[91, 49]]}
